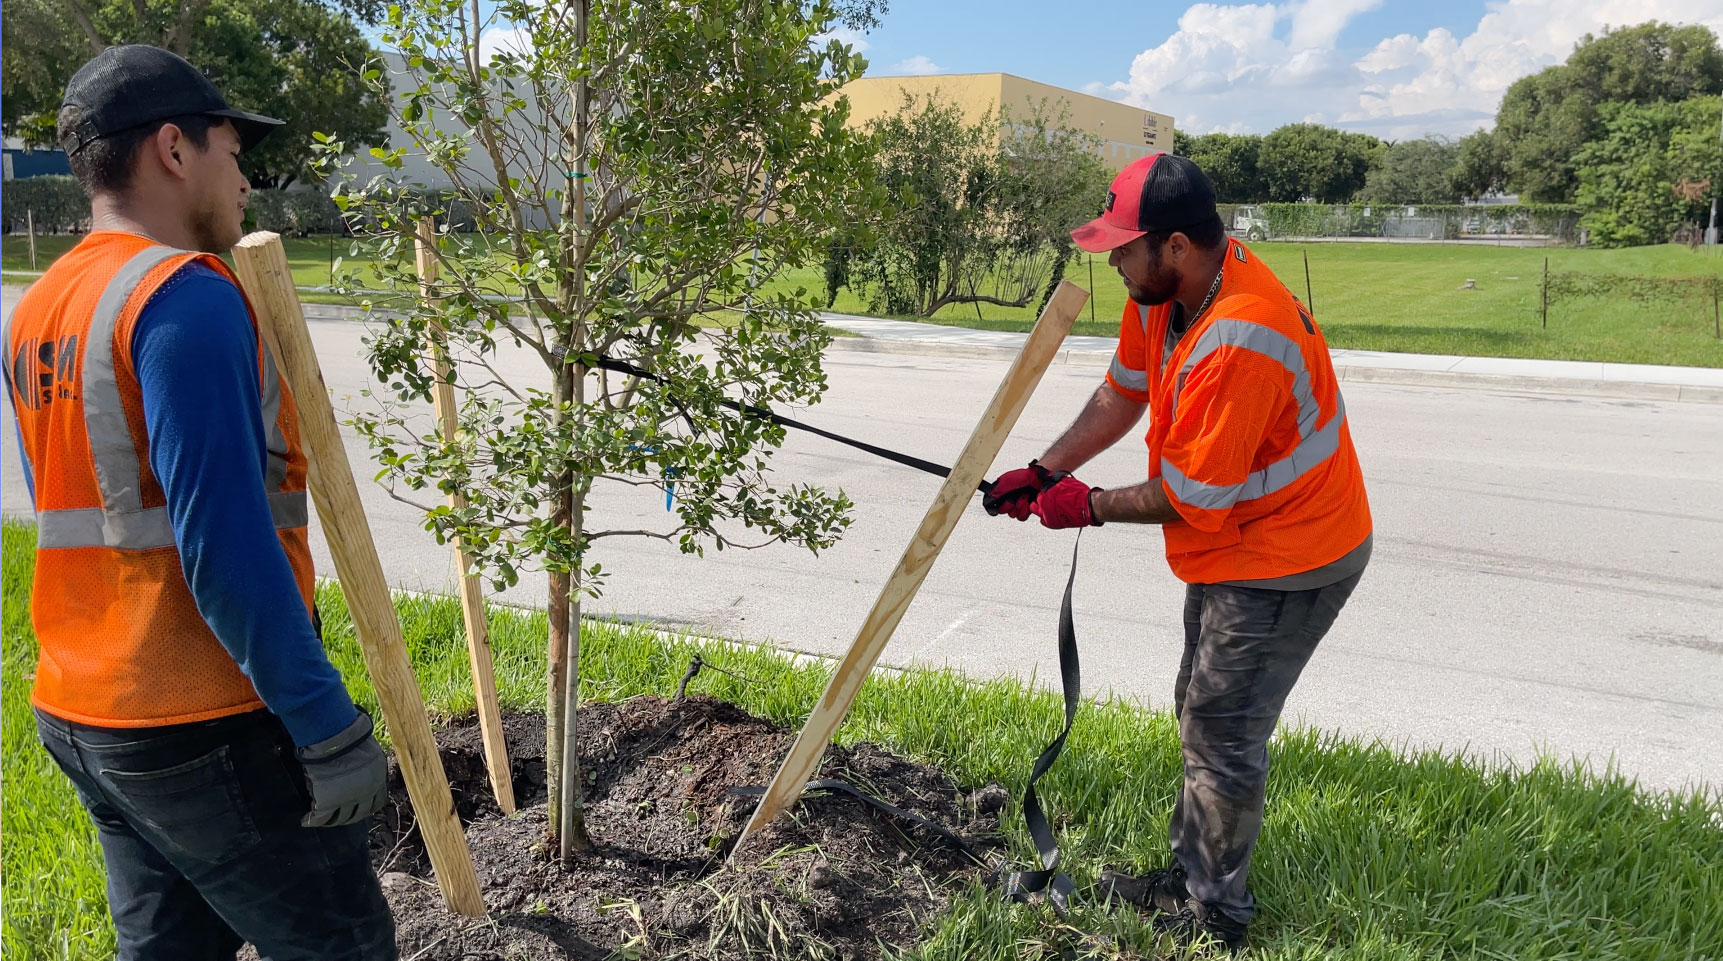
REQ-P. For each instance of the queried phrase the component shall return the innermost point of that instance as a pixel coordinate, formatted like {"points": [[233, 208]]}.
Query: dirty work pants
{"points": [[199, 825], [1244, 649]]}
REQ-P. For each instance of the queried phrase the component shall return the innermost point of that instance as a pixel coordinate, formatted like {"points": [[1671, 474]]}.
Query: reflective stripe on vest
{"points": [[122, 522], [1314, 446], [1126, 377]]}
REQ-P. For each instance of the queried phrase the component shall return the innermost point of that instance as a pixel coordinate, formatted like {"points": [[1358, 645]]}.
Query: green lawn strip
{"points": [[1366, 854], [1407, 298], [1393, 297]]}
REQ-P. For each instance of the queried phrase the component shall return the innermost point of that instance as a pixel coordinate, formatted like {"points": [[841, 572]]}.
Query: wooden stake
{"points": [[1716, 312], [1309, 295], [261, 263], [1546, 294], [948, 505], [30, 226], [472, 592]]}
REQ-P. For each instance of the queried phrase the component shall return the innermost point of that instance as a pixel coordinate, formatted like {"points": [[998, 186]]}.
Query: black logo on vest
{"points": [[43, 370]]}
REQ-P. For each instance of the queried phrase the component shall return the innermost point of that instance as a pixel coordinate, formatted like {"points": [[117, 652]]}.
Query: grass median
{"points": [[1366, 853], [1368, 296]]}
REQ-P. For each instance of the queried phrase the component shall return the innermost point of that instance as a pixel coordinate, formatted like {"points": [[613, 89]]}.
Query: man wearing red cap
{"points": [[1254, 481]]}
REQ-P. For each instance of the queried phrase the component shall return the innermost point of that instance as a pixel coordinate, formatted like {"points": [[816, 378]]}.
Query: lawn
{"points": [[1408, 297], [1366, 854], [1395, 297]]}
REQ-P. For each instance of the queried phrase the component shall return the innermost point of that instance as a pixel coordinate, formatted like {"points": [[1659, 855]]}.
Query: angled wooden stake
{"points": [[948, 505], [261, 262], [472, 592]]}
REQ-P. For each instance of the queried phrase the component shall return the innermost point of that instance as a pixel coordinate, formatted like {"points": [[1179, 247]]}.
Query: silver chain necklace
{"points": [[1213, 289]]}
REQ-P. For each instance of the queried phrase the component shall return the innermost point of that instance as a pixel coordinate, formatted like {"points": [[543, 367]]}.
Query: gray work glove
{"points": [[348, 776]]}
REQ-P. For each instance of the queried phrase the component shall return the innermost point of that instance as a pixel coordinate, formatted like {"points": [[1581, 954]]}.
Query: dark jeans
{"points": [[1244, 649], [199, 825]]}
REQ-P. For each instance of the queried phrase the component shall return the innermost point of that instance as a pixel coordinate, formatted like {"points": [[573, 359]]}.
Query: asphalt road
{"points": [[1548, 572]]}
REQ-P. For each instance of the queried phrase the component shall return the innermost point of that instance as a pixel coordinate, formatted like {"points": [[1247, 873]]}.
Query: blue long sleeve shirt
{"points": [[195, 353]]}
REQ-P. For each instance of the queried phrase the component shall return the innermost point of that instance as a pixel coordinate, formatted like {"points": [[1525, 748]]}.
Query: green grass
{"points": [[1407, 297], [1366, 853], [1395, 297]]}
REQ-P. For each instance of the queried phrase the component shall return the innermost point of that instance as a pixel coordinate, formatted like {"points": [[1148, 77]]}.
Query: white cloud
{"points": [[501, 39], [1257, 66], [850, 38], [916, 66]]}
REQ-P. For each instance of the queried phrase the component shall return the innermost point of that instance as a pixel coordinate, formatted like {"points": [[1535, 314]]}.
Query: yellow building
{"points": [[1125, 132]]}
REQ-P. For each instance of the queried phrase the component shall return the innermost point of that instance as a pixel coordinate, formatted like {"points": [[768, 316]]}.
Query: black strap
{"points": [[932, 827], [1019, 885], [938, 470]]}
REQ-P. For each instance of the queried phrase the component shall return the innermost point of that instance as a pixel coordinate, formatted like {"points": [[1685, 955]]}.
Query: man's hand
{"points": [[1015, 491], [348, 775], [1068, 503]]}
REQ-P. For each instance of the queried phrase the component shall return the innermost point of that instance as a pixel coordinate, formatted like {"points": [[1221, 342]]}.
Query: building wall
{"points": [[1125, 132]]}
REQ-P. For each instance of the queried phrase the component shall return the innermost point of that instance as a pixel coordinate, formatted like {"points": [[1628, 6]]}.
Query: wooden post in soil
{"points": [[1544, 293], [472, 592], [948, 505], [30, 227], [261, 263]]}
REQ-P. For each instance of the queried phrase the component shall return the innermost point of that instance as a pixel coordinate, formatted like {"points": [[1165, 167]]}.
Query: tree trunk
{"points": [[556, 651], [567, 819]]}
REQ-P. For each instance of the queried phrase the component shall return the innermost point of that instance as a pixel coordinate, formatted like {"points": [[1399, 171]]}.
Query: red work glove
{"points": [[1015, 490], [1069, 503]]}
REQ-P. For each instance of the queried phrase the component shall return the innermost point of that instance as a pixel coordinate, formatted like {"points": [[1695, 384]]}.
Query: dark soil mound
{"points": [[831, 879]]}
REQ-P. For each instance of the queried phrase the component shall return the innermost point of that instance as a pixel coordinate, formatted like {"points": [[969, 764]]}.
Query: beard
{"points": [[213, 229], [1157, 288]]}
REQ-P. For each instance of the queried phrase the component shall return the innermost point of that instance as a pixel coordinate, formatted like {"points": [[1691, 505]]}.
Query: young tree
{"points": [[983, 209], [634, 171]]}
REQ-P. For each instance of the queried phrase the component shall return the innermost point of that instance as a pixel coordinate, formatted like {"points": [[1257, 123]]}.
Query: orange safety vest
{"points": [[1248, 431], [122, 643]]}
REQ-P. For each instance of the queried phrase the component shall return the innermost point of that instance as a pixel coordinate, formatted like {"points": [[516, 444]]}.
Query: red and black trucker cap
{"points": [[128, 86], [1159, 192]]}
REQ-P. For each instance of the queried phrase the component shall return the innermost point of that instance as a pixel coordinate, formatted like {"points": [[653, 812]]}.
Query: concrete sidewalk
{"points": [[1639, 381]]}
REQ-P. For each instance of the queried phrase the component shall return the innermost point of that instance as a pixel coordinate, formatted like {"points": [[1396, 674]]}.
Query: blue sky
{"points": [[1395, 68]]}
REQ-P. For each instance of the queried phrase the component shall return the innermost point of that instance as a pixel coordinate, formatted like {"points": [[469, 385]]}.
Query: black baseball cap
{"points": [[136, 84], [1159, 192]]}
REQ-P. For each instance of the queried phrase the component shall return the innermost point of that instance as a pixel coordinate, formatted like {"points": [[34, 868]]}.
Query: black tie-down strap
{"points": [[1020, 885], [890, 810], [631, 370]]}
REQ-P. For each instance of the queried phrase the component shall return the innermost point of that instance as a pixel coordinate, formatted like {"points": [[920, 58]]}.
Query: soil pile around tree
{"points": [[831, 879]]}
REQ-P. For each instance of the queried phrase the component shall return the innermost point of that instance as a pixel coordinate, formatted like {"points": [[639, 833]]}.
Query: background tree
{"points": [[298, 60], [1627, 178], [1231, 161], [1415, 172], [983, 218], [1307, 161], [640, 169], [1480, 168], [1547, 118]]}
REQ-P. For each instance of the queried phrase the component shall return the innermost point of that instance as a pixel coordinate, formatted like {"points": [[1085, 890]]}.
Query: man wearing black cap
{"points": [[182, 684], [1253, 479]]}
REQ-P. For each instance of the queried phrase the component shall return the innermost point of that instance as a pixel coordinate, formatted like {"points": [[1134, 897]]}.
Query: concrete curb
{"points": [[1453, 380]]}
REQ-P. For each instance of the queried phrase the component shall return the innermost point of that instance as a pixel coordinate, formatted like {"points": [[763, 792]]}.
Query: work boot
{"points": [[1161, 890], [1198, 921]]}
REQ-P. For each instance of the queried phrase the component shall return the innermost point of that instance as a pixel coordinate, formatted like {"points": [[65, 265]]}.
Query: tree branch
{"points": [[179, 39], [76, 9]]}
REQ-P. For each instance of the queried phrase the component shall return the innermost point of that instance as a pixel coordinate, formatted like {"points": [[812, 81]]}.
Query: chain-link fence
{"points": [[1429, 223]]}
